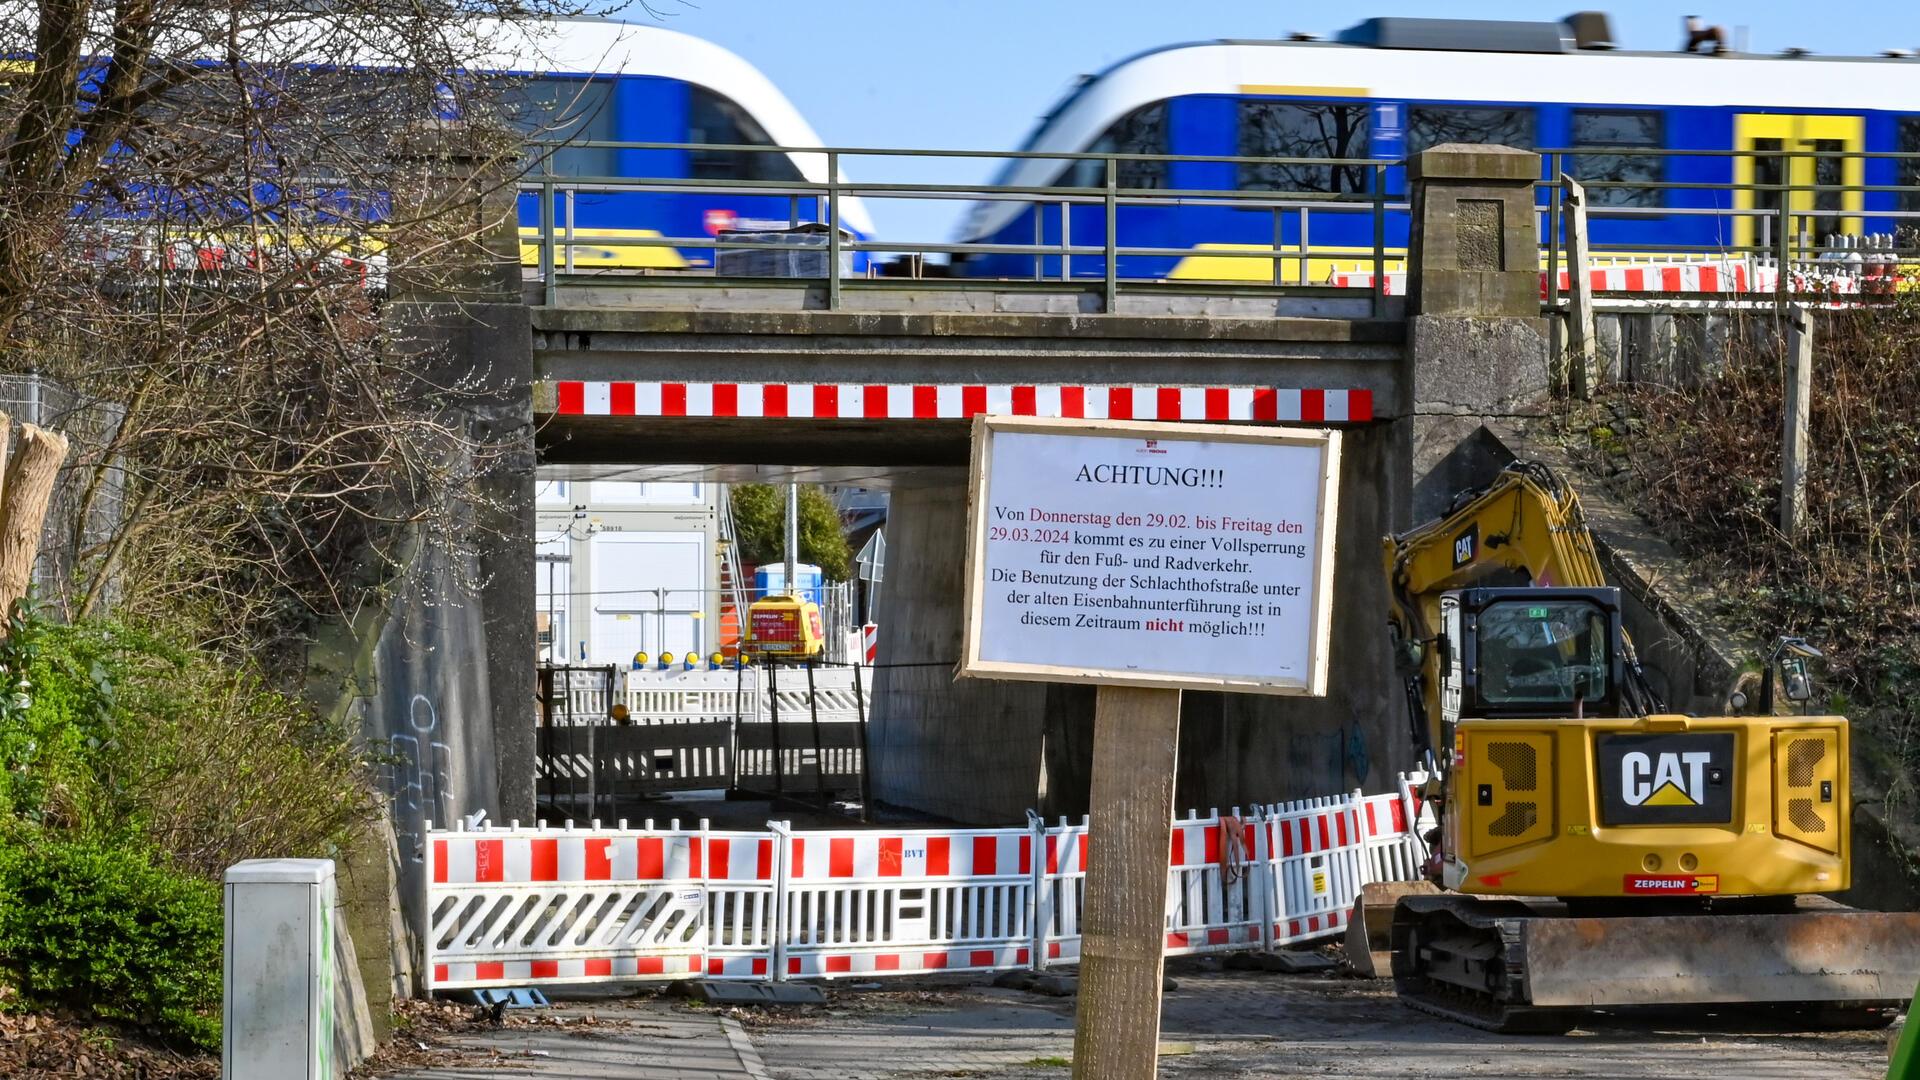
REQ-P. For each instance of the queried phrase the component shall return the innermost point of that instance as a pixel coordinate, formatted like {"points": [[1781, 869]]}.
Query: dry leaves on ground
{"points": [[44, 1046]]}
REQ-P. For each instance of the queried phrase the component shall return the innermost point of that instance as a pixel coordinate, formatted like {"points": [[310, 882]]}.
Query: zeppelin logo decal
{"points": [[1671, 884]]}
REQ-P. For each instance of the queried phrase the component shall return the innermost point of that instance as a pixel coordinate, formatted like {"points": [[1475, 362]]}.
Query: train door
{"points": [[1783, 147]]}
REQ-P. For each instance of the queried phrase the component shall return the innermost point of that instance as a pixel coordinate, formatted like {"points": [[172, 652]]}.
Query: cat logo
{"points": [[1466, 546], [1678, 779], [1668, 779]]}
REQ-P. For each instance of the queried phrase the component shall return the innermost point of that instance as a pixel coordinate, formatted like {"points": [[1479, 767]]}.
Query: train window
{"points": [[1618, 128], [566, 110], [1431, 125], [712, 118], [1909, 170], [1142, 131], [1282, 129]]}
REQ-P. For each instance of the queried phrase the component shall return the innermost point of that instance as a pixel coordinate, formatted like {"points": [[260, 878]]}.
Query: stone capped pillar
{"points": [[1477, 345]]}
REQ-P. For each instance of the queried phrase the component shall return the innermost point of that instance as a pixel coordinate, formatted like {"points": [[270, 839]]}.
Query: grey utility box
{"points": [[278, 1007], [796, 252]]}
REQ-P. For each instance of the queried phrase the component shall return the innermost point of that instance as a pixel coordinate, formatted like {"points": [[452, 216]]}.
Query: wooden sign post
{"points": [[1146, 558]]}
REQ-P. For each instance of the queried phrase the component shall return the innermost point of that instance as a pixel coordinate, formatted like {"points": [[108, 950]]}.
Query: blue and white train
{"points": [[595, 80], [1389, 88]]}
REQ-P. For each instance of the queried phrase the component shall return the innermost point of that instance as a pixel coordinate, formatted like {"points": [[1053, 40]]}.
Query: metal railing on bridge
{"points": [[1753, 222], [1051, 252]]}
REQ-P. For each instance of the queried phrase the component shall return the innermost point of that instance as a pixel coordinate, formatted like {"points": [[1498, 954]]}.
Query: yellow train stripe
{"points": [[1320, 267], [1306, 91], [598, 255]]}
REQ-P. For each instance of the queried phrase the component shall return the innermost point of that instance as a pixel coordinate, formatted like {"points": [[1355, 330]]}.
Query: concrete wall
{"points": [[969, 749]]}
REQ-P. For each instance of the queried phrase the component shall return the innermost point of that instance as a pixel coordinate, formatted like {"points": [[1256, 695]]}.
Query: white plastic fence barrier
{"points": [[679, 695], [513, 906]]}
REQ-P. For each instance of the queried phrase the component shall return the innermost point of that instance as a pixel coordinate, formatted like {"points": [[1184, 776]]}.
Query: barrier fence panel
{"points": [[1213, 886], [515, 906], [833, 766], [874, 903], [1316, 868]]}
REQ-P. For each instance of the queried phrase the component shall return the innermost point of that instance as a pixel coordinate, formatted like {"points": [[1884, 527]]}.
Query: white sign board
{"points": [[1144, 554]]}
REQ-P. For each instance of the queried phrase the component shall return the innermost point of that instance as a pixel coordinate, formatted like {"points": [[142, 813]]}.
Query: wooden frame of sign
{"points": [[1312, 683]]}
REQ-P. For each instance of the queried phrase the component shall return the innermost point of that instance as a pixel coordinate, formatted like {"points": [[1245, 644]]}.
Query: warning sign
{"points": [[1167, 555]]}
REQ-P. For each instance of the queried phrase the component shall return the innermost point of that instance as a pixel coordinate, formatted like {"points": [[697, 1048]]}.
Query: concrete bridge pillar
{"points": [[441, 677], [1477, 347], [966, 749]]}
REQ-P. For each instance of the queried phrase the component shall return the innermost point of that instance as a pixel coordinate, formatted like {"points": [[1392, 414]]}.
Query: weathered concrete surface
{"points": [[1473, 241], [898, 295], [967, 749], [371, 913], [1471, 365]]}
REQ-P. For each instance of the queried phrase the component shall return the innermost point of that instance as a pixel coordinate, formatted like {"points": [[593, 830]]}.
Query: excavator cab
{"points": [[1537, 653]]}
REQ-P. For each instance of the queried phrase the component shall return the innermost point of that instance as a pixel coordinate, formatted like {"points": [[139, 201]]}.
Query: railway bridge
{"points": [[872, 381], [673, 379]]}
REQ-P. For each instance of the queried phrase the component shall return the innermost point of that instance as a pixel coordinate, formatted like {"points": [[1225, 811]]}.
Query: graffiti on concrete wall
{"points": [[419, 777]]}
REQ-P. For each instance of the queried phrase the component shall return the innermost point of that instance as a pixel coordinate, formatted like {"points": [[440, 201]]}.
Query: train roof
{"points": [[610, 47], [1390, 59]]}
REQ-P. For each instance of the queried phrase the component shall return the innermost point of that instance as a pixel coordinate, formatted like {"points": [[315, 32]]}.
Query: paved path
{"points": [[1245, 1024], [634, 1040], [1220, 1023]]}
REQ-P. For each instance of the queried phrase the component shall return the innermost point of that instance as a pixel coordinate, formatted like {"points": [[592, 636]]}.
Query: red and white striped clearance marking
{"points": [[870, 642], [1723, 278], [911, 401]]}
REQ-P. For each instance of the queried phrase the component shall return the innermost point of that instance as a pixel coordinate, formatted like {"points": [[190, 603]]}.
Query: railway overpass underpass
{"points": [[690, 383], [725, 381]]}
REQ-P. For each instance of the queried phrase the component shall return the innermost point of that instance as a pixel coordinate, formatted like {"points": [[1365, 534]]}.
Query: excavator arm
{"points": [[1525, 529]]}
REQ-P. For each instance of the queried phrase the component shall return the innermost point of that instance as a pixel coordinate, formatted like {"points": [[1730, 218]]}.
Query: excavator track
{"points": [[1479, 943], [1530, 967]]}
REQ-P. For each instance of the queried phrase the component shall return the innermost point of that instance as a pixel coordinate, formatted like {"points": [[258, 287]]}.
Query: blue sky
{"points": [[976, 75]]}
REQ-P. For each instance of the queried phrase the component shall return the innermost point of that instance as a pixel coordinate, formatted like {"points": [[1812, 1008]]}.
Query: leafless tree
{"points": [[201, 202]]}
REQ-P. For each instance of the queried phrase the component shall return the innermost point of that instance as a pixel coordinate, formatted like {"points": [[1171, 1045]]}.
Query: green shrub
{"points": [[132, 733], [47, 740], [110, 930]]}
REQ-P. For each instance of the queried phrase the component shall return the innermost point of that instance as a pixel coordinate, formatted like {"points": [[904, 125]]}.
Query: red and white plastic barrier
{"points": [[512, 907]]}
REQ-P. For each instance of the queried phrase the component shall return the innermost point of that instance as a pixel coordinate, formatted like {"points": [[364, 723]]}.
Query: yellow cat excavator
{"points": [[1597, 851]]}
